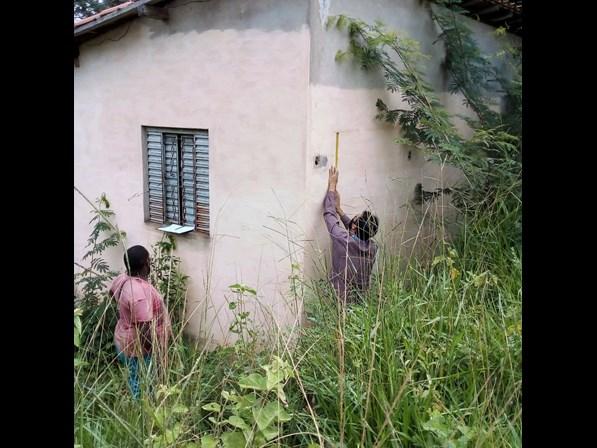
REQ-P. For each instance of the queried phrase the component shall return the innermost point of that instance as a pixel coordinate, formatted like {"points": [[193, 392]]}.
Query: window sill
{"points": [[194, 233], [177, 229]]}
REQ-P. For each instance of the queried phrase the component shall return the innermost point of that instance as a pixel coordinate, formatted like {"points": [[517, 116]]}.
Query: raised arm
{"points": [[329, 207], [345, 220]]}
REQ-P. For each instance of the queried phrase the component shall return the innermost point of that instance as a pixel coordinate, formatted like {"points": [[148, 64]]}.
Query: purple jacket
{"points": [[352, 259]]}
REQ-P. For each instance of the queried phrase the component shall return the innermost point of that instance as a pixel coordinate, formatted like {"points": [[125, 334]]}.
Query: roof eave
{"points": [[103, 23]]}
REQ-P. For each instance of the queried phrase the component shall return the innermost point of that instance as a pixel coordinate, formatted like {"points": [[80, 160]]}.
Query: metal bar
{"points": [[163, 178], [179, 176], [194, 179]]}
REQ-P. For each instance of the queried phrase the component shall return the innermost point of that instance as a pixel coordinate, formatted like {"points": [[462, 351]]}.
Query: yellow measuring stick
{"points": [[337, 141]]}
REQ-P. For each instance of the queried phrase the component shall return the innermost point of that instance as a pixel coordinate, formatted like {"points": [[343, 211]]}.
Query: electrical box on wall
{"points": [[320, 161]]}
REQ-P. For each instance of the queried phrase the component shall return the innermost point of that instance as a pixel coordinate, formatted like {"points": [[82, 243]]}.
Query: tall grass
{"points": [[432, 358]]}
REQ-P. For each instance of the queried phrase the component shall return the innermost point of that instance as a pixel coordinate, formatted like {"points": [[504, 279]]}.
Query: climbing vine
{"points": [[490, 159]]}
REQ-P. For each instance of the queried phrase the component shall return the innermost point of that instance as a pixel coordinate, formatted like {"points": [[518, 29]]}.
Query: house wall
{"points": [[238, 69], [375, 172], [260, 75]]}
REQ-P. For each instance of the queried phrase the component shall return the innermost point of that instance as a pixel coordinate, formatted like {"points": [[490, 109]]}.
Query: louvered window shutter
{"points": [[188, 179], [171, 178], [154, 176], [202, 180], [178, 178]]}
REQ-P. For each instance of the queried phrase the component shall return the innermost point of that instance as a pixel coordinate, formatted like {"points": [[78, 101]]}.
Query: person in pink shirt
{"points": [[143, 323]]}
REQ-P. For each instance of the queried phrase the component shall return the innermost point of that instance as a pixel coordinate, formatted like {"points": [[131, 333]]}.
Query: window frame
{"points": [[145, 160]]}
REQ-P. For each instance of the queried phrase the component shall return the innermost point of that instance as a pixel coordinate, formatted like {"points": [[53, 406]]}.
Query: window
{"points": [[177, 177]]}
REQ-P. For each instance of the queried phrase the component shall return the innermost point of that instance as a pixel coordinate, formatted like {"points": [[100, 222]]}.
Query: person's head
{"points": [[364, 226], [137, 262]]}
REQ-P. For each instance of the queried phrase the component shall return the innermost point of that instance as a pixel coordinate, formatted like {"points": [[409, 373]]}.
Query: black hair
{"points": [[367, 225], [138, 258]]}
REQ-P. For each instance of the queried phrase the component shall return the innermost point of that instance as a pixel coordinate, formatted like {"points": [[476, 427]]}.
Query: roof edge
{"points": [[97, 25]]}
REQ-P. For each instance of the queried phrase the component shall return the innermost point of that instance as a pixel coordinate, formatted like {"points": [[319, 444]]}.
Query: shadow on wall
{"points": [[205, 15], [410, 17]]}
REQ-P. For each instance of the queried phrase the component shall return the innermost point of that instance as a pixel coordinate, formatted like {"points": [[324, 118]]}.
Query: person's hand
{"points": [[333, 179]]}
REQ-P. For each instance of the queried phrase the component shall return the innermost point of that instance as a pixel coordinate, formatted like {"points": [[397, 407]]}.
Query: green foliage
{"points": [[491, 159], [471, 73], [251, 419], [166, 275], [433, 356], [96, 308], [496, 145], [104, 235], [425, 124], [242, 325], [77, 333], [447, 433], [77, 336], [168, 416], [512, 87]]}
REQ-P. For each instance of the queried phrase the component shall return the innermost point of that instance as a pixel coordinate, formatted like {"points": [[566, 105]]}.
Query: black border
{"points": [[38, 214], [555, 143]]}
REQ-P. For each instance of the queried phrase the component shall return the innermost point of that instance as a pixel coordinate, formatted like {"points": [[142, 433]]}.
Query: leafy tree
{"points": [[490, 159]]}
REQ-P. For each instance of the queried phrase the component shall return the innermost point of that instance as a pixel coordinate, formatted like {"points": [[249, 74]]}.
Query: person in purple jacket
{"points": [[353, 250]]}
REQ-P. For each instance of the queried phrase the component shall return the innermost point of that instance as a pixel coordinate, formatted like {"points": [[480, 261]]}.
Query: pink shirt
{"points": [[138, 301]]}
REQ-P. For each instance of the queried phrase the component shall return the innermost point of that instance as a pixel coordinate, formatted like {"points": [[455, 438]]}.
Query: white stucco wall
{"points": [[376, 173], [238, 69], [260, 75]]}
